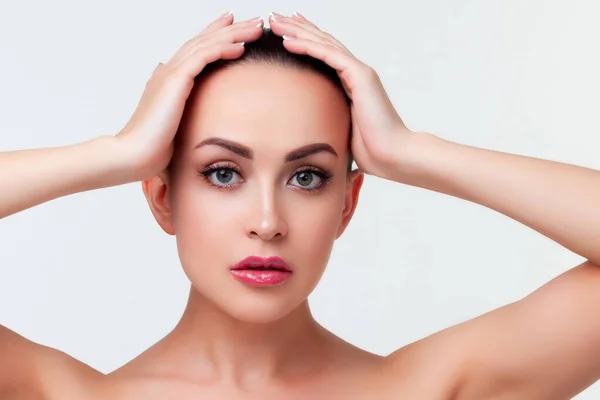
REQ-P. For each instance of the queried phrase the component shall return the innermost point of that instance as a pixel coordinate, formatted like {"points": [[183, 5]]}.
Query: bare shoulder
{"points": [[36, 371], [544, 346], [430, 368]]}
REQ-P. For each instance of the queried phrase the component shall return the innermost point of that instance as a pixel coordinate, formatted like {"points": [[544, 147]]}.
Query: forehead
{"points": [[259, 104]]}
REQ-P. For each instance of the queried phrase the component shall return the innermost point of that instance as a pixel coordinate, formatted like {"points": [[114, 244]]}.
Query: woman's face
{"points": [[260, 170]]}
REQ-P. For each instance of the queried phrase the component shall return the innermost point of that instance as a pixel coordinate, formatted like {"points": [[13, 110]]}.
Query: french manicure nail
{"points": [[257, 19], [227, 14]]}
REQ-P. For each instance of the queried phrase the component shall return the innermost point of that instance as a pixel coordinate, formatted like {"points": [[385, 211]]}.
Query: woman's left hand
{"points": [[378, 132]]}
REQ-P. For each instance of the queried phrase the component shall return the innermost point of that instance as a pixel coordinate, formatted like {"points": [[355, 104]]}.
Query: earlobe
{"points": [[155, 190], [356, 179]]}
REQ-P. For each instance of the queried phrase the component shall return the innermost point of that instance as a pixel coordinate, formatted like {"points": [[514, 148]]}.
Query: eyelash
{"points": [[206, 172]]}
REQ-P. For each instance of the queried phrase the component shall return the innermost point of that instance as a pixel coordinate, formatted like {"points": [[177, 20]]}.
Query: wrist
{"points": [[114, 166], [409, 156]]}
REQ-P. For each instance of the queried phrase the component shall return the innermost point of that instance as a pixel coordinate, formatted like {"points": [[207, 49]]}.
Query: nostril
{"points": [[265, 235]]}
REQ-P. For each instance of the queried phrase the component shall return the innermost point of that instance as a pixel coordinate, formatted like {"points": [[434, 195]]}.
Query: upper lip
{"points": [[256, 261]]}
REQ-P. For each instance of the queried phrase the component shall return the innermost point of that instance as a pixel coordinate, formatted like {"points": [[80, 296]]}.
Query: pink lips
{"points": [[259, 271]]}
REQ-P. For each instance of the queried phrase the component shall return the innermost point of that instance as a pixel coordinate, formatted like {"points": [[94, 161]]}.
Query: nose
{"points": [[265, 220]]}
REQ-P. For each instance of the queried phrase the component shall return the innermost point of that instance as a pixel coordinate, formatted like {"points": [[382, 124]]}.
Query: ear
{"points": [[355, 181], [156, 192]]}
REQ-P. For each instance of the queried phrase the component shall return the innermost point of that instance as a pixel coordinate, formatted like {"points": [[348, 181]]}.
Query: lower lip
{"points": [[260, 278]]}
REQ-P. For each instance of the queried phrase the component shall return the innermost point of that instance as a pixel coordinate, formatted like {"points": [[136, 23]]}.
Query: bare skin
{"points": [[236, 343]]}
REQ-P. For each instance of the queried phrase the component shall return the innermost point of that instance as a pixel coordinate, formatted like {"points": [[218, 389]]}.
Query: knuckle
{"points": [[229, 37], [369, 72], [190, 41], [217, 47], [238, 26], [157, 69]]}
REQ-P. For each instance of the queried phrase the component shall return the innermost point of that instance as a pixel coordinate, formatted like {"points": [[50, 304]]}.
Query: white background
{"points": [[94, 276]]}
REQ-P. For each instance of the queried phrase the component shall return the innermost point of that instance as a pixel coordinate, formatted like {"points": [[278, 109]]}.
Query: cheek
{"points": [[316, 218], [206, 223], [313, 225]]}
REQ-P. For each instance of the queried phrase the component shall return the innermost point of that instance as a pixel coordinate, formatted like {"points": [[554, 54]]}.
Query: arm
{"points": [[28, 178], [560, 201], [32, 177], [547, 345]]}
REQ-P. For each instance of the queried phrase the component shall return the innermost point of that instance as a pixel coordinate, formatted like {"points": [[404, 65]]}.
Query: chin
{"points": [[260, 307]]}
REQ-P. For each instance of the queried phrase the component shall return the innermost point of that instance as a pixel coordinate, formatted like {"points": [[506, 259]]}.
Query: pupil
{"points": [[305, 178], [224, 175]]}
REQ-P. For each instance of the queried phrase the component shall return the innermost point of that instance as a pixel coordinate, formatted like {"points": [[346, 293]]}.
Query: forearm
{"points": [[560, 201], [32, 177]]}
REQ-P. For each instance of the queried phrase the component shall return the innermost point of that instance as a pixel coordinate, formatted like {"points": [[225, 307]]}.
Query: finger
{"points": [[304, 20], [329, 54], [287, 29], [253, 23], [195, 62], [246, 31], [223, 20], [301, 17], [280, 20], [219, 23]]}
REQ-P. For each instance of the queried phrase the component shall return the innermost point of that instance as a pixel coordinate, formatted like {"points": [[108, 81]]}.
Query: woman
{"points": [[256, 186]]}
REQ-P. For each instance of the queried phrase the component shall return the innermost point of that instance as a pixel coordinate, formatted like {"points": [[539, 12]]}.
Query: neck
{"points": [[213, 346]]}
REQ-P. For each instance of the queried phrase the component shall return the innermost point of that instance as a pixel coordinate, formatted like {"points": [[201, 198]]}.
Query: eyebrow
{"points": [[246, 152]]}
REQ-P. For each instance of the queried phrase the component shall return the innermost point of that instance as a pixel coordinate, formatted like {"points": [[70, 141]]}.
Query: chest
{"points": [[328, 387]]}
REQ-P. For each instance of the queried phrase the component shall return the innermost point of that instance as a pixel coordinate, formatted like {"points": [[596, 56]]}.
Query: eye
{"points": [[307, 179], [222, 176]]}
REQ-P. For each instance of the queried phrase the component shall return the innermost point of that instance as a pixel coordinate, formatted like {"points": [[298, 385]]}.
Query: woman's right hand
{"points": [[147, 138]]}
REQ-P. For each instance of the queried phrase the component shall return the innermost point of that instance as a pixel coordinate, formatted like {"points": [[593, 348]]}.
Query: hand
{"points": [[377, 129], [147, 139]]}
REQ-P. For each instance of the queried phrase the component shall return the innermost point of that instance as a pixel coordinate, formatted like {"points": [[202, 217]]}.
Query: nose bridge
{"points": [[266, 219]]}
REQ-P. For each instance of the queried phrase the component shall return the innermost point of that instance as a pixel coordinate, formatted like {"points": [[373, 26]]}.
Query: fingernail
{"points": [[227, 14], [298, 15], [272, 16], [286, 37], [257, 19], [277, 15]]}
